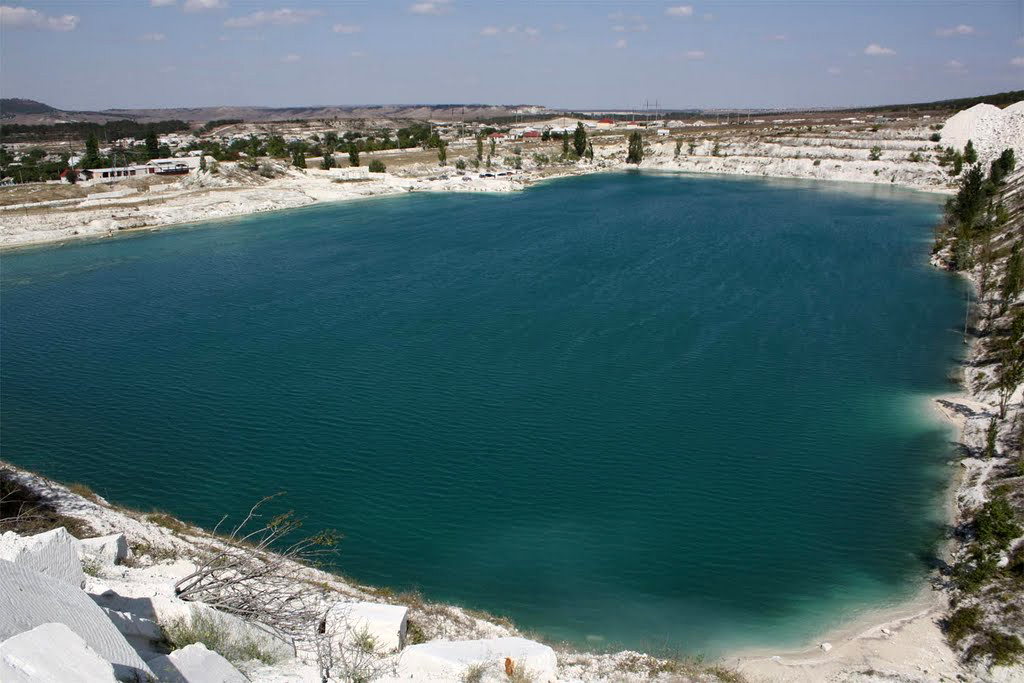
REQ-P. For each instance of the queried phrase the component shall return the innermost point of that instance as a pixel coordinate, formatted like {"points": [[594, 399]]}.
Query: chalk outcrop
{"points": [[386, 624], [195, 664], [52, 653], [54, 553]]}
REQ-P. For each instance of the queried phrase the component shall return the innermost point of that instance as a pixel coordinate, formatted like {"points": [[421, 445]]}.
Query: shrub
{"points": [[377, 166], [460, 164], [1003, 648], [216, 636], [962, 623], [935, 137], [875, 154], [995, 525]]}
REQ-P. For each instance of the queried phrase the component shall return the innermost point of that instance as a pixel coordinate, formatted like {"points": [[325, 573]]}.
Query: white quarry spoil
{"points": [[386, 624], [109, 550], [52, 653]]}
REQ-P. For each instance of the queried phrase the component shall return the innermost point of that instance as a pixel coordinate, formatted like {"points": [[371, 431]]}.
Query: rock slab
{"points": [[387, 624], [447, 660], [107, 550], [195, 664], [52, 653], [55, 553], [29, 599]]}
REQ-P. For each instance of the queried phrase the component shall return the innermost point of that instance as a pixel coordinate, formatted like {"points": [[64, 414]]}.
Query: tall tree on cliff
{"points": [[152, 145], [579, 139], [636, 148], [92, 152]]}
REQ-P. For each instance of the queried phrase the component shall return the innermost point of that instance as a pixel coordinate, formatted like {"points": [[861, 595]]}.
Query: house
{"points": [[605, 123], [531, 135]]}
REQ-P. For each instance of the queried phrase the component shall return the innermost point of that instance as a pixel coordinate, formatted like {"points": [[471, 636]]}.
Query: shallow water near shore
{"points": [[624, 410]]}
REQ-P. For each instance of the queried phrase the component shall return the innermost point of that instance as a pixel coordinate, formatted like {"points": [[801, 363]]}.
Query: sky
{"points": [[577, 54]]}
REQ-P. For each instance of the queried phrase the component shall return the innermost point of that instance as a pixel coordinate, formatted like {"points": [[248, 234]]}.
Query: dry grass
{"points": [[26, 512]]}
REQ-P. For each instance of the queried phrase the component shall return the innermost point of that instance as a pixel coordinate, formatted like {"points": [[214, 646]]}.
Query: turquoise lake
{"points": [[629, 409]]}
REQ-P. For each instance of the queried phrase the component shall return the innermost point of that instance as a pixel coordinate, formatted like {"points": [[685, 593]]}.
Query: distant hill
{"points": [[14, 106]]}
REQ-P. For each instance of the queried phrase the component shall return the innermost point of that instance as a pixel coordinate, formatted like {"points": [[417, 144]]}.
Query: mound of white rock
{"points": [[989, 128]]}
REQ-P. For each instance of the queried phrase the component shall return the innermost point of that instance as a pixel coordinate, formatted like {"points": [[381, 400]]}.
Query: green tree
{"points": [[492, 147], [92, 152], [875, 154], [970, 155], [442, 153], [958, 164], [579, 139], [635, 153], [276, 147], [479, 148], [991, 434], [202, 162], [353, 155], [1013, 278], [152, 145], [1010, 372], [590, 151], [328, 161], [565, 146], [377, 166], [299, 159], [679, 148]]}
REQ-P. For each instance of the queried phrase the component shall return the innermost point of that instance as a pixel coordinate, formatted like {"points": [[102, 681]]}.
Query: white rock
{"points": [[52, 653], [445, 660], [55, 553], [195, 664], [826, 646], [386, 623], [112, 549], [167, 610], [29, 599], [140, 631]]}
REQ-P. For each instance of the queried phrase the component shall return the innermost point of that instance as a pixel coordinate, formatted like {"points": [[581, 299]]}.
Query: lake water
{"points": [[625, 409]]}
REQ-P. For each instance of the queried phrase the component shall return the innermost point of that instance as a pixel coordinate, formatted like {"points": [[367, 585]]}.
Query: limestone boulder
{"points": [[29, 599], [107, 550], [447, 660], [195, 664], [55, 553], [386, 624], [52, 653]]}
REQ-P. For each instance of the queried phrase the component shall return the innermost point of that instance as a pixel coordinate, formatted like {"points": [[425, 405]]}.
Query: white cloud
{"points": [[679, 11], [616, 16], [621, 44], [1017, 61], [558, 28], [23, 17], [277, 17], [876, 50], [531, 31], [291, 59], [431, 7], [619, 29], [490, 31], [152, 37], [778, 37], [202, 5], [834, 70], [695, 54], [357, 54], [959, 30], [708, 16], [347, 29], [956, 66], [162, 3]]}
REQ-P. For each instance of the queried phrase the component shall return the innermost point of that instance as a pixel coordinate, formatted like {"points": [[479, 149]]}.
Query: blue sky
{"points": [[91, 54]]}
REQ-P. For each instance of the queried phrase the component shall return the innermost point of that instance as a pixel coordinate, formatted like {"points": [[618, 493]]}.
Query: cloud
{"points": [[777, 37], [558, 28], [616, 16], [695, 54], [1017, 61], [621, 44], [162, 3], [679, 11], [876, 50], [203, 5], [152, 37], [291, 59], [490, 31], [709, 16], [356, 54], [531, 31], [277, 17], [434, 7], [956, 66], [347, 29], [834, 70], [959, 30], [23, 17]]}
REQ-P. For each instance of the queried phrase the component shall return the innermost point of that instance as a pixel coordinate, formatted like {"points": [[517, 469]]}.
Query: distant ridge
{"points": [[13, 106]]}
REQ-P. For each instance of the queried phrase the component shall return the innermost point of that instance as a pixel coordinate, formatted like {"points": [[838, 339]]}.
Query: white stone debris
{"points": [[989, 128], [54, 553], [52, 653], [826, 647], [195, 664], [29, 599], [387, 624], [107, 550], [446, 660]]}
